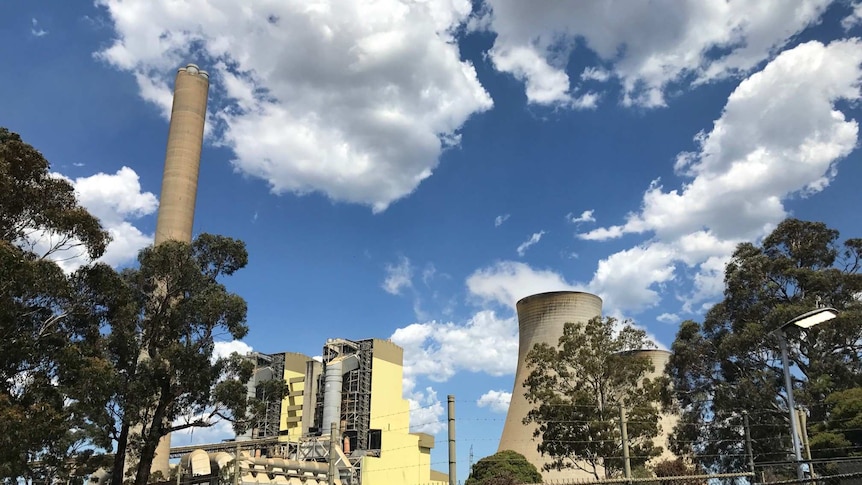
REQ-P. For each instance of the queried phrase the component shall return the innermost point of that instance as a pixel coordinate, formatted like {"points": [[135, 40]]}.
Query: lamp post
{"points": [[806, 320]]}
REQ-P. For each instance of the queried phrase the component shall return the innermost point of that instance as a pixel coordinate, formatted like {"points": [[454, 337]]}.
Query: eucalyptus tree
{"points": [[577, 389], [730, 363]]}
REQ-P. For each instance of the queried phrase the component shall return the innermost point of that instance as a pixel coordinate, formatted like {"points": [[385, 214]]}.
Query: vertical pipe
{"points": [[748, 449], [791, 404], [627, 465], [450, 399], [333, 456]]}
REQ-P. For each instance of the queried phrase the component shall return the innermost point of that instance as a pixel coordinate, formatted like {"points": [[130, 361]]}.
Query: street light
{"points": [[806, 320]]}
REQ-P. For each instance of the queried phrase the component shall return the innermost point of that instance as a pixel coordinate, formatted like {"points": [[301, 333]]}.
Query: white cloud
{"points": [[220, 430], [496, 401], [855, 17], [486, 343], [115, 199], [535, 238], [647, 45], [356, 100], [224, 349], [426, 412], [627, 280], [398, 276], [35, 30], [668, 318], [586, 216], [780, 135], [595, 74], [506, 282], [499, 220]]}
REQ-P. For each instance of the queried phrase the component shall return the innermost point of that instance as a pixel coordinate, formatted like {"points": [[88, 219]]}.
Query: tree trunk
{"points": [[157, 431], [120, 457]]}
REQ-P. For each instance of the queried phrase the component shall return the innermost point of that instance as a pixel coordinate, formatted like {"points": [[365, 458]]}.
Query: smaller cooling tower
{"points": [[659, 359], [541, 319]]}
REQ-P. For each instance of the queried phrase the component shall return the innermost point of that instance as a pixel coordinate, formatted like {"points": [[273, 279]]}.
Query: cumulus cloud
{"points": [[398, 276], [354, 100], [116, 200], [586, 216], [855, 17], [524, 246], [506, 282], [485, 343], [224, 349], [780, 135], [648, 46], [499, 220], [426, 412], [668, 318], [496, 401]]}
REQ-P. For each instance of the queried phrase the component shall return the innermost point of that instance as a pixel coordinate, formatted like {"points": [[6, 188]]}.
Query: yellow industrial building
{"points": [[343, 420]]}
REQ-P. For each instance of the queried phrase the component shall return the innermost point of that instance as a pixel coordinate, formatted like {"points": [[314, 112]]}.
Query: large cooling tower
{"points": [[540, 320], [183, 157], [180, 180]]}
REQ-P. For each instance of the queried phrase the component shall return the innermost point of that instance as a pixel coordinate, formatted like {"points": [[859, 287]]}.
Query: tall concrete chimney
{"points": [[183, 157], [541, 319], [180, 180]]}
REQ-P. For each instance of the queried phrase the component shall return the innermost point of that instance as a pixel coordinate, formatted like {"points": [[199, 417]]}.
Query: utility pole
{"points": [[453, 478], [627, 464], [236, 464], [749, 452]]}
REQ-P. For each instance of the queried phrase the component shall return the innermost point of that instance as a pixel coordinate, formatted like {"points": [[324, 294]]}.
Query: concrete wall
{"points": [[292, 410], [405, 458]]}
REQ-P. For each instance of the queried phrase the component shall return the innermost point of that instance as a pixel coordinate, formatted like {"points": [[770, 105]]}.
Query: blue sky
{"points": [[411, 169]]}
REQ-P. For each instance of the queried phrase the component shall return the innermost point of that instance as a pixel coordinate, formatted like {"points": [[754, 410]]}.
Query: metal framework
{"points": [[356, 389], [267, 426]]}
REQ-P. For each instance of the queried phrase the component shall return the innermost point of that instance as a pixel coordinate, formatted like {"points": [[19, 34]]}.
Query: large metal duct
{"points": [[180, 180], [541, 319], [333, 382]]}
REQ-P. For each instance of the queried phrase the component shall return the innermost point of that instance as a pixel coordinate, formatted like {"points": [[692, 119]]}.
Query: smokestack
{"points": [[180, 181], [541, 319], [183, 157]]}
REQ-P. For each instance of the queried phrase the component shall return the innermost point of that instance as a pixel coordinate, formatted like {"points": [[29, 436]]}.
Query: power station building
{"points": [[346, 410], [541, 319]]}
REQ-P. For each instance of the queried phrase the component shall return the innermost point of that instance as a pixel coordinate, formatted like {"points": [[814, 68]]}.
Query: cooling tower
{"points": [[659, 359], [540, 320], [180, 180], [183, 157]]}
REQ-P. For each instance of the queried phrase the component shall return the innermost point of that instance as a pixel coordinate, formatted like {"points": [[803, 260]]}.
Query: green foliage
{"points": [[576, 391], [34, 201], [35, 297], [506, 467], [149, 363], [731, 363], [840, 435]]}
